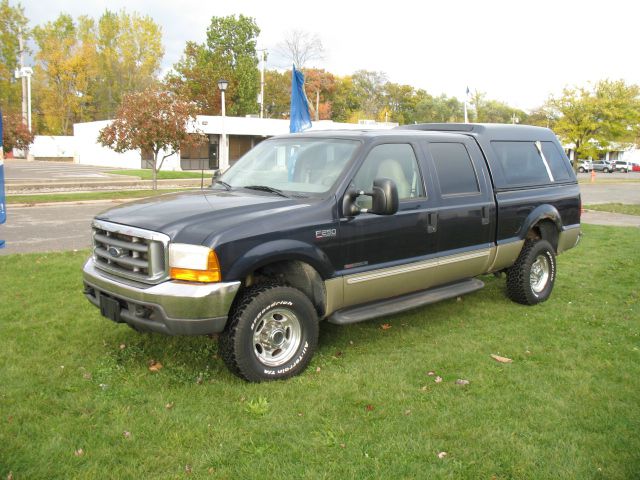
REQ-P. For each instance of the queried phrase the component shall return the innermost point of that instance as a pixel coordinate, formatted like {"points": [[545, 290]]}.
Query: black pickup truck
{"points": [[337, 225]]}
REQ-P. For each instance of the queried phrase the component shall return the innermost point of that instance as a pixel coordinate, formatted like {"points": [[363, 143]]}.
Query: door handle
{"points": [[485, 215], [432, 222]]}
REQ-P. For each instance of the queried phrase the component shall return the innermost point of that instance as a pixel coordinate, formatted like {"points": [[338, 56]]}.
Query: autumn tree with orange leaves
{"points": [[153, 121]]}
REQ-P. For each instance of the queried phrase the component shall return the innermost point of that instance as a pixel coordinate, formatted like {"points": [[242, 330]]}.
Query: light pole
{"points": [[223, 162], [26, 72]]}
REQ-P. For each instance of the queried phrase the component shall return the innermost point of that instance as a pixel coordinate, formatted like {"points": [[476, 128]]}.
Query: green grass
{"points": [[78, 196], [615, 208], [567, 407], [162, 175]]}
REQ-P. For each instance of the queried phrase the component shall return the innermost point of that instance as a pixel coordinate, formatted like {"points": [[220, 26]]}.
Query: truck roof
{"points": [[488, 131]]}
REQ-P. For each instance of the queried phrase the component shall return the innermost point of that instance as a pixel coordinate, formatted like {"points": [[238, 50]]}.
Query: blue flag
{"points": [[300, 118], [3, 205]]}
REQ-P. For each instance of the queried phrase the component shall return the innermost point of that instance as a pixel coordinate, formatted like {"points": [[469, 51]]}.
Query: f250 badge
{"points": [[329, 233]]}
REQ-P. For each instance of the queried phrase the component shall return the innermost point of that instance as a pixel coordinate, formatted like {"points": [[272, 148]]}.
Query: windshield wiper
{"points": [[224, 184], [265, 188]]}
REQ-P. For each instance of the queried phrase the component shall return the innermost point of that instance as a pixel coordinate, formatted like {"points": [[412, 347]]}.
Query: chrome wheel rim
{"points": [[540, 272], [276, 337]]}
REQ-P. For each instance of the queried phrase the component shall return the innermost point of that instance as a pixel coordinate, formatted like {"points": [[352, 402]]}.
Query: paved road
{"points": [[49, 228], [23, 171], [610, 192]]}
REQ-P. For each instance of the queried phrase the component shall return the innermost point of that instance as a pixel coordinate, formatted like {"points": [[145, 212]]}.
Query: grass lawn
{"points": [[77, 399], [162, 175], [615, 208], [78, 196]]}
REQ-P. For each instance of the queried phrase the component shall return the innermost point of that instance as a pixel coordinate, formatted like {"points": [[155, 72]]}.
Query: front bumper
{"points": [[172, 307]]}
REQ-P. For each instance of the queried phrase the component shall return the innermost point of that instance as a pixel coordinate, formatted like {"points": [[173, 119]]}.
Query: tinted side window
{"points": [[556, 163], [395, 161], [454, 168], [521, 163]]}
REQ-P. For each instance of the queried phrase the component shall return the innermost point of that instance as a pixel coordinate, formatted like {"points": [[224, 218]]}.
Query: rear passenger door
{"points": [[464, 218]]}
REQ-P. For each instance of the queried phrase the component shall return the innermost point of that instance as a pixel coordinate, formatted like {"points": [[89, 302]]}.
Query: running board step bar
{"points": [[410, 301]]}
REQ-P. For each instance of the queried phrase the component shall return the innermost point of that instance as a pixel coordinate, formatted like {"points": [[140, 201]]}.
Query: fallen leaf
{"points": [[350, 342], [407, 412], [431, 373], [10, 476], [438, 379], [126, 434], [342, 445], [424, 388], [442, 454], [317, 369], [86, 376], [500, 359], [199, 380], [154, 366], [211, 470], [338, 354], [460, 381], [169, 405], [188, 469], [300, 414], [459, 299], [122, 346], [79, 452], [369, 408], [385, 326]]}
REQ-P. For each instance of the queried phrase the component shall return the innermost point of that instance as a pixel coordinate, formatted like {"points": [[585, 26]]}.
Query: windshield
{"points": [[296, 165]]}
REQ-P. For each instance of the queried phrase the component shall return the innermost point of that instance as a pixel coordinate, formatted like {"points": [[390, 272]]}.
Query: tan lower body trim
{"points": [[394, 281], [506, 255], [568, 238]]}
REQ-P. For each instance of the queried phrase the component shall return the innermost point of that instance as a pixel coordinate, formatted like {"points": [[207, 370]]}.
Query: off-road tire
{"points": [[521, 285], [264, 317]]}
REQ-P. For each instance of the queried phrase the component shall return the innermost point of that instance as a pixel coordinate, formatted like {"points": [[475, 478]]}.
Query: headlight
{"points": [[193, 263]]}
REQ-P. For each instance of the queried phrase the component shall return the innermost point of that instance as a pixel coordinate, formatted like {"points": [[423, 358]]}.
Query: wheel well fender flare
{"points": [[279, 251], [545, 215]]}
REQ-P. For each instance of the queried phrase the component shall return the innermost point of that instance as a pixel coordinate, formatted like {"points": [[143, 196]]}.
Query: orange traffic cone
{"points": [[593, 176]]}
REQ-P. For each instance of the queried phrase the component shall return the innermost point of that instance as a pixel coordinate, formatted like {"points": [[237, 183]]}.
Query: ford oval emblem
{"points": [[115, 252]]}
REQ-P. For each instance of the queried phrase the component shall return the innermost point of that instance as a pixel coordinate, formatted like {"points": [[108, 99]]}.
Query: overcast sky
{"points": [[515, 51]]}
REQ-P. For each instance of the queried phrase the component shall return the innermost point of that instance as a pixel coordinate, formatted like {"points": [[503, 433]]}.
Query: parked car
{"points": [[585, 166], [604, 166], [636, 167], [623, 167]]}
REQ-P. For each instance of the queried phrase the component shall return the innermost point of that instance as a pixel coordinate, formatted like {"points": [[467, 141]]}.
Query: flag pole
{"points": [[466, 114]]}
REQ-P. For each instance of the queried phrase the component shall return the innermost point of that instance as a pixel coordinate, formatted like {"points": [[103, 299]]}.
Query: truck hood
{"points": [[192, 217]]}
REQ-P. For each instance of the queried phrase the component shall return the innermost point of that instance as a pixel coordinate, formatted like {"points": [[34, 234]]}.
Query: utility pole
{"points": [[24, 79], [264, 61], [317, 105]]}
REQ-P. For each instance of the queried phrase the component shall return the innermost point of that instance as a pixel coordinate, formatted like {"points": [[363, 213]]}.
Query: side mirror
{"points": [[384, 197]]}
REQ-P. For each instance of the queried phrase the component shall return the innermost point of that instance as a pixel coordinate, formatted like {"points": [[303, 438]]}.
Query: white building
{"points": [[243, 133]]}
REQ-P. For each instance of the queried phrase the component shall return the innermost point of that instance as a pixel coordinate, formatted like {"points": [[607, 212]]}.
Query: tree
{"points": [[152, 121], [12, 23], [230, 53], [129, 52], [277, 93], [369, 88], [66, 70], [299, 48], [15, 134], [591, 119]]}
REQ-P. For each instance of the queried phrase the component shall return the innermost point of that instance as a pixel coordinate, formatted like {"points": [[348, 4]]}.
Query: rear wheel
{"points": [[530, 280], [581, 170], [272, 333]]}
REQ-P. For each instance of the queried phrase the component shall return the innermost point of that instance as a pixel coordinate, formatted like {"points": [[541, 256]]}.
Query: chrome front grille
{"points": [[130, 252]]}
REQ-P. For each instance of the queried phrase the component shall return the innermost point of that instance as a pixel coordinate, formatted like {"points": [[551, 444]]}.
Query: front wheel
{"points": [[272, 333], [530, 280], [581, 170]]}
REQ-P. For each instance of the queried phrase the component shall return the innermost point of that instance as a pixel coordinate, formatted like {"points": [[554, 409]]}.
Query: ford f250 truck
{"points": [[341, 226]]}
